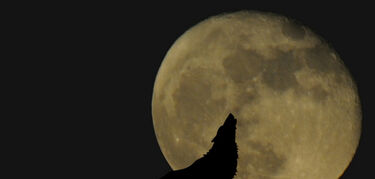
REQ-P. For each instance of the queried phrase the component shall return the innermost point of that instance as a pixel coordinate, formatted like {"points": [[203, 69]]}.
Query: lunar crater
{"points": [[263, 159], [321, 58], [279, 73], [243, 65], [194, 92], [293, 30]]}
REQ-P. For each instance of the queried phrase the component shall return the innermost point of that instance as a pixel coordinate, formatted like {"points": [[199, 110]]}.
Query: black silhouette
{"points": [[221, 159]]}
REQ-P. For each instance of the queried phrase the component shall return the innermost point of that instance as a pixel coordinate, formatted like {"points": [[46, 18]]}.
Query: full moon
{"points": [[297, 105]]}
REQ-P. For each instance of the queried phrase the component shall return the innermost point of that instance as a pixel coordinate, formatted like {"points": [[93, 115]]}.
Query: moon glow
{"points": [[297, 106]]}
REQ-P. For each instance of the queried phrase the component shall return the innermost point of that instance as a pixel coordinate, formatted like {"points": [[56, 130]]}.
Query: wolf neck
{"points": [[223, 147]]}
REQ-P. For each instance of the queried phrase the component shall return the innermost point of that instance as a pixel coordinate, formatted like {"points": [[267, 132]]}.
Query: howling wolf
{"points": [[221, 159]]}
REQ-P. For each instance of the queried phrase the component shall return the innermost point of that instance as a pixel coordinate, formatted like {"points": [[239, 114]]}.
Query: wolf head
{"points": [[226, 132]]}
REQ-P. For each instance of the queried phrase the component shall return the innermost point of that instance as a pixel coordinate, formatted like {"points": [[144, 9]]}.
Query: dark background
{"points": [[105, 58]]}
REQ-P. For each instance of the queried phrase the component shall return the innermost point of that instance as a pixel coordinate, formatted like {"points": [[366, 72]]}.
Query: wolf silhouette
{"points": [[221, 159]]}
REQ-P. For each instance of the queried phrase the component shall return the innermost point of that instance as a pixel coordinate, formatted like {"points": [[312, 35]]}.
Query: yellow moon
{"points": [[297, 105]]}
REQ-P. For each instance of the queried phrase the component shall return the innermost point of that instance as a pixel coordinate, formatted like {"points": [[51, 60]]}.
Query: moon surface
{"points": [[297, 105]]}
